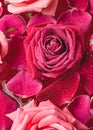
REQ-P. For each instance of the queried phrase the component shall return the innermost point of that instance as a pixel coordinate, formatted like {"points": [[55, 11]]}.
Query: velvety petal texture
{"points": [[39, 19], [7, 105], [80, 107], [23, 85], [13, 40], [15, 26], [61, 91], [86, 73], [77, 18], [50, 49], [90, 9]]}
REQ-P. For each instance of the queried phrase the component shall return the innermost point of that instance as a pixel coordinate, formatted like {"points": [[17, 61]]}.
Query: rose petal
{"points": [[90, 8], [86, 73], [16, 54], [40, 19], [62, 90], [7, 105], [80, 108], [23, 85], [47, 7], [61, 8], [15, 26], [6, 72], [77, 18]]}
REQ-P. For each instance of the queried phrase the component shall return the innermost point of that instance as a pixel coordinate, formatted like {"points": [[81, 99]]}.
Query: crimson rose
{"points": [[52, 49]]}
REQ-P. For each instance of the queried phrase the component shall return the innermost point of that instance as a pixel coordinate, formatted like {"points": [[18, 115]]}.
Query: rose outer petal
{"points": [[61, 90], [77, 18], [80, 108], [23, 85], [16, 54], [86, 73], [17, 24], [40, 19], [7, 105]]}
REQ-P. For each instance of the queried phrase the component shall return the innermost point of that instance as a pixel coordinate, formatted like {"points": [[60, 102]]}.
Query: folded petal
{"points": [[86, 73], [80, 108], [6, 72], [12, 25], [23, 85], [40, 19], [7, 105], [77, 18], [16, 54], [61, 90]]}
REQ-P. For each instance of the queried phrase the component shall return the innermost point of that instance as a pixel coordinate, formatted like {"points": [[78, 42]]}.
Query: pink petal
{"points": [[17, 24], [78, 4], [7, 105], [40, 19], [90, 8], [1, 9], [80, 108], [23, 85], [61, 90], [86, 73], [77, 18]]}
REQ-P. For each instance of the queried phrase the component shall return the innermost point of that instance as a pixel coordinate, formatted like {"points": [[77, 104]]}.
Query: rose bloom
{"points": [[53, 49], [46, 116], [20, 6]]}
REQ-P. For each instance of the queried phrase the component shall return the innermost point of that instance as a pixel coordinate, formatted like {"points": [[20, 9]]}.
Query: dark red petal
{"points": [[16, 54], [7, 105], [6, 72], [23, 85], [40, 19], [77, 18], [86, 73], [80, 108], [61, 90], [61, 8]]}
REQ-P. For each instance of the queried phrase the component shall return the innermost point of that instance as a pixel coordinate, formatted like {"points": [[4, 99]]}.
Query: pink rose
{"points": [[46, 116], [53, 49], [20, 6]]}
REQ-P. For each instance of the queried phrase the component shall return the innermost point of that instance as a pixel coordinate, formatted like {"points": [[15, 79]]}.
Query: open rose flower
{"points": [[21, 6], [46, 116], [53, 49]]}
